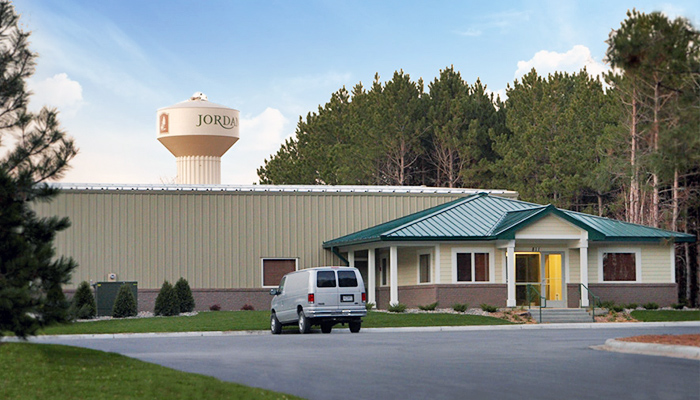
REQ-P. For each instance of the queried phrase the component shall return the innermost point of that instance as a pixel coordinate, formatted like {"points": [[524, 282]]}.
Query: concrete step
{"points": [[561, 315]]}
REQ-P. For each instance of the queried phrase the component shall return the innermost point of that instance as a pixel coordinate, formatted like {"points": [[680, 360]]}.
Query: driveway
{"points": [[495, 363]]}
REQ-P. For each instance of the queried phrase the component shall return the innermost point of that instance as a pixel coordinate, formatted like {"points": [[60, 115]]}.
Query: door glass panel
{"points": [[527, 271], [553, 281]]}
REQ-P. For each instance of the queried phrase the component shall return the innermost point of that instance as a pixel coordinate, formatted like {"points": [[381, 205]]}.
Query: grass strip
{"points": [[254, 320], [665, 315], [391, 320], [41, 371]]}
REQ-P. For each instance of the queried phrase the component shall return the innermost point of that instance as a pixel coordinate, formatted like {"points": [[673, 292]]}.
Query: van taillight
{"points": [[311, 298], [364, 297]]}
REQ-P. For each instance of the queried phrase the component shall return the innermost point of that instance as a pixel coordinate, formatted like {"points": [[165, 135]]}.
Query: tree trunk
{"points": [[634, 181], [654, 175], [674, 218]]}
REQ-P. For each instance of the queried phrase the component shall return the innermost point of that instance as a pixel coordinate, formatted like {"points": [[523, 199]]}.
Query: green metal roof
{"points": [[485, 217]]}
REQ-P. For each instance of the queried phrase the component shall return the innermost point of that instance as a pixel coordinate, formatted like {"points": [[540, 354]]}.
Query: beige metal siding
{"points": [[550, 226], [656, 263], [214, 239], [575, 266]]}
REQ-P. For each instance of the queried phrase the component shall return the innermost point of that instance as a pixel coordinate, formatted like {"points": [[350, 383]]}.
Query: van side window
{"points": [[325, 279], [347, 279], [281, 288]]}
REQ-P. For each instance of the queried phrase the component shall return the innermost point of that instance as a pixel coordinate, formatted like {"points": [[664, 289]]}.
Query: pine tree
{"points": [[167, 303], [184, 295], [125, 303], [83, 303], [31, 276]]}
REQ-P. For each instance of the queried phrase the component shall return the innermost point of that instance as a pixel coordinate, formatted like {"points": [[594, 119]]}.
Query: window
{"points": [[273, 269], [424, 268], [472, 267], [619, 267], [325, 279], [347, 279], [384, 268]]}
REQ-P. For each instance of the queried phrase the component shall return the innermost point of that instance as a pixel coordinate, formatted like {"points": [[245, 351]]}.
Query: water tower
{"points": [[198, 133]]}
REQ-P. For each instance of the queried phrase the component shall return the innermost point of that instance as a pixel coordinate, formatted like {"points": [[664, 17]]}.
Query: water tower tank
{"points": [[198, 133]]}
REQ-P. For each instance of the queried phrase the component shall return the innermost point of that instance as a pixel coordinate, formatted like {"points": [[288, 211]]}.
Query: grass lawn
{"points": [[665, 315], [41, 371], [253, 320]]}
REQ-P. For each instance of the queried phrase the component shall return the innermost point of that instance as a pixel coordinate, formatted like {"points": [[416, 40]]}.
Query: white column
{"points": [[437, 264], [393, 275], [511, 274], [371, 276], [351, 258], [584, 272]]}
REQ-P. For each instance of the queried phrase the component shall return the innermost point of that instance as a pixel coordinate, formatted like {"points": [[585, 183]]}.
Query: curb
{"points": [[651, 349], [610, 325]]}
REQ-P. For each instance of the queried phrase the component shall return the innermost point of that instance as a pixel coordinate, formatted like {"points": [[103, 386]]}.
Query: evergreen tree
{"points": [[83, 302], [125, 303], [167, 303], [31, 277], [184, 295]]}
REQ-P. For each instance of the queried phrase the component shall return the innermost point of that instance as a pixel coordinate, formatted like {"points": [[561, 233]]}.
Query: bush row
{"points": [[170, 301]]}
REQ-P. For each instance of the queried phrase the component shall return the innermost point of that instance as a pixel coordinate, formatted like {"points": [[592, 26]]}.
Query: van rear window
{"points": [[325, 279], [347, 279]]}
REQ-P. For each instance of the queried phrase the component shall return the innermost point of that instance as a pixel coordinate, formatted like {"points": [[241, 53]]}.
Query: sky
{"points": [[108, 66]]}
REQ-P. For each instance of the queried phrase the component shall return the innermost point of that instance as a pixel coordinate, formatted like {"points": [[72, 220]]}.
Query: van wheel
{"points": [[304, 323], [275, 325], [326, 327], [355, 326]]}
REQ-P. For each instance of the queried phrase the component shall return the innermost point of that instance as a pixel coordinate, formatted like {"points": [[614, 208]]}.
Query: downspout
{"points": [[335, 251]]}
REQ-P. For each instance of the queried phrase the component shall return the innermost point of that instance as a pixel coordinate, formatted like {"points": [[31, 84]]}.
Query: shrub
{"points": [[677, 306], [429, 307], [617, 308], [397, 308], [460, 307], [83, 302], [488, 308], [167, 303], [369, 306], [651, 306], [632, 306], [215, 307], [247, 307], [606, 304], [184, 295], [125, 304]]}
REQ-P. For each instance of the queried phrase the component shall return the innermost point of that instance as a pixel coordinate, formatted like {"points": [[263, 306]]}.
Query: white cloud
{"points": [[58, 91], [473, 32], [547, 62], [264, 132]]}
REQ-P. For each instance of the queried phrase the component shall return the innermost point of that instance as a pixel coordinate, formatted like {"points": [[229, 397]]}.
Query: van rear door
{"points": [[349, 289], [326, 296]]}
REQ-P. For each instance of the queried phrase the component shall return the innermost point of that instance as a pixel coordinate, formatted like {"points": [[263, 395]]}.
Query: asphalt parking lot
{"points": [[376, 364]]}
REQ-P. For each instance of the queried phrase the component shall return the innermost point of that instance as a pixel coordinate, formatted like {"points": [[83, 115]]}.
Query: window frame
{"points": [[473, 250], [384, 278], [262, 269], [430, 266], [637, 251]]}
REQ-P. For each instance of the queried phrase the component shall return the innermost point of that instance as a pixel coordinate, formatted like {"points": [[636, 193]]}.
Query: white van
{"points": [[322, 296]]}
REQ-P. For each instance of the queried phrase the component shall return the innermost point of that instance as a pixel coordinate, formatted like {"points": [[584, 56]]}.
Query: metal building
{"points": [[230, 242]]}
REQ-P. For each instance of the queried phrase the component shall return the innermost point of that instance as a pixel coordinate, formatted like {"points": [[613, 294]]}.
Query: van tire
{"points": [[326, 327], [275, 325], [355, 326], [304, 323]]}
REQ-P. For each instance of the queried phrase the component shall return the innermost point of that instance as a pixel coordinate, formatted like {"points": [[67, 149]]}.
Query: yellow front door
{"points": [[553, 282]]}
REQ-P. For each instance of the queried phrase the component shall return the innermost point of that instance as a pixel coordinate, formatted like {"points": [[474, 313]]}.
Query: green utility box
{"points": [[106, 294]]}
